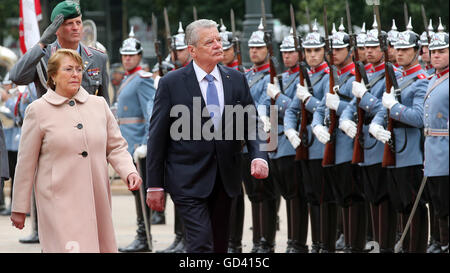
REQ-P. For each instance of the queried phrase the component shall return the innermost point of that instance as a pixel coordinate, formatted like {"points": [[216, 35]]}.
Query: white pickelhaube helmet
{"points": [[372, 35], [440, 39], [407, 38], [424, 35], [341, 39], [361, 37], [226, 36], [392, 35], [288, 43], [131, 45], [257, 37], [314, 39], [179, 39]]}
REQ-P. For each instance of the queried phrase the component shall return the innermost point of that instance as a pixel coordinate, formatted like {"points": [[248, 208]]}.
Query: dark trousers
{"points": [[205, 220], [439, 192], [403, 186]]}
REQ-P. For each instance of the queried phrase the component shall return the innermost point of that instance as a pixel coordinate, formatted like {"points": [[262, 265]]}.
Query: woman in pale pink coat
{"points": [[68, 139]]}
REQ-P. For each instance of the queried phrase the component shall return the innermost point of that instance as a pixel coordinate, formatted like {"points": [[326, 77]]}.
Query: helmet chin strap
{"points": [[416, 56], [349, 54]]}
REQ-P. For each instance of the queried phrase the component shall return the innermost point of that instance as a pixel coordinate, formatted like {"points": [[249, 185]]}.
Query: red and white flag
{"points": [[30, 14]]}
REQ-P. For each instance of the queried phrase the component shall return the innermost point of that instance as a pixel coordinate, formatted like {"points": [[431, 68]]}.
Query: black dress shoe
{"points": [[289, 246], [340, 243], [180, 248], [266, 248], [172, 246], [315, 247], [233, 248], [255, 248], [32, 239], [137, 245], [444, 249], [435, 247], [6, 212], [158, 218], [299, 249], [347, 249]]}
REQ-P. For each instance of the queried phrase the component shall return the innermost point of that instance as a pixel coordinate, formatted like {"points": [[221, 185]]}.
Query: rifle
{"points": [[424, 16], [272, 69], [194, 13], [329, 154], [301, 153], [358, 144], [405, 13], [157, 44], [236, 43], [389, 147], [170, 41]]}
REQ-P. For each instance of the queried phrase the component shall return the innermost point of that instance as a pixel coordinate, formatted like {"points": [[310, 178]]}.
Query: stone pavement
{"points": [[124, 219]]}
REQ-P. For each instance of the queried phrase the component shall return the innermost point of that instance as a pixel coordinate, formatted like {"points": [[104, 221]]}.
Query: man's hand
{"points": [[140, 152], [273, 89], [293, 137], [18, 219], [134, 181], [379, 133], [49, 35], [302, 92], [358, 89], [155, 200], [332, 101], [389, 99], [349, 128], [321, 133], [259, 169]]}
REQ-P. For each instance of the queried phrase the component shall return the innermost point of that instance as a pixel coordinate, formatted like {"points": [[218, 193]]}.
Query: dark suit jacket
{"points": [[189, 167]]}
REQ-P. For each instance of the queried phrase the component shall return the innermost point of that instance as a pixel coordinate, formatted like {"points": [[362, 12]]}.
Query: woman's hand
{"points": [[134, 181], [18, 219]]}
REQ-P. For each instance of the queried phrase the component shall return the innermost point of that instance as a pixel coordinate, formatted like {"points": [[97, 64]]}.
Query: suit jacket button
{"points": [[80, 126], [84, 154], [71, 103]]}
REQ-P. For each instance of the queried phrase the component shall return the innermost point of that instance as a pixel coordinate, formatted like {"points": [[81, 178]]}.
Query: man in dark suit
{"points": [[201, 175]]}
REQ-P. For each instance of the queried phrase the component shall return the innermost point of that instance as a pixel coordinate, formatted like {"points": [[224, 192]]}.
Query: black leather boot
{"points": [[140, 242], [256, 225], [328, 229], [443, 228], [388, 226], [33, 238], [172, 246], [298, 247], [419, 230], [314, 216], [158, 218], [269, 216], [236, 224], [357, 226]]}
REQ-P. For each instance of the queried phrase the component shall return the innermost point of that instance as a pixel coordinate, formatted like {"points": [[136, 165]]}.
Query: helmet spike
{"points": [[315, 28], [341, 27], [440, 27], [409, 27], [131, 34], [394, 27], [180, 28], [363, 29]]}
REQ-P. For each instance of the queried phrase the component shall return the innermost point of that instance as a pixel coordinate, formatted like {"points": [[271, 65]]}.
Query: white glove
{"points": [[156, 82], [389, 99], [273, 89], [302, 92], [332, 101], [140, 152], [358, 89], [266, 121], [379, 133], [292, 135], [349, 127], [321, 133]]}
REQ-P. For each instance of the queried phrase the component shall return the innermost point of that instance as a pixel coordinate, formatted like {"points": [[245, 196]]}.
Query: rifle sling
{"points": [[257, 79]]}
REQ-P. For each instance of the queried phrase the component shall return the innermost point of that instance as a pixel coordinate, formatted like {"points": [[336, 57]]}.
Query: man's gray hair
{"points": [[192, 30]]}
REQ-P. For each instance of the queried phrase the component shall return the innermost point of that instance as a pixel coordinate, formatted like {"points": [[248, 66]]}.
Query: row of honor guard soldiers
{"points": [[317, 191]]}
